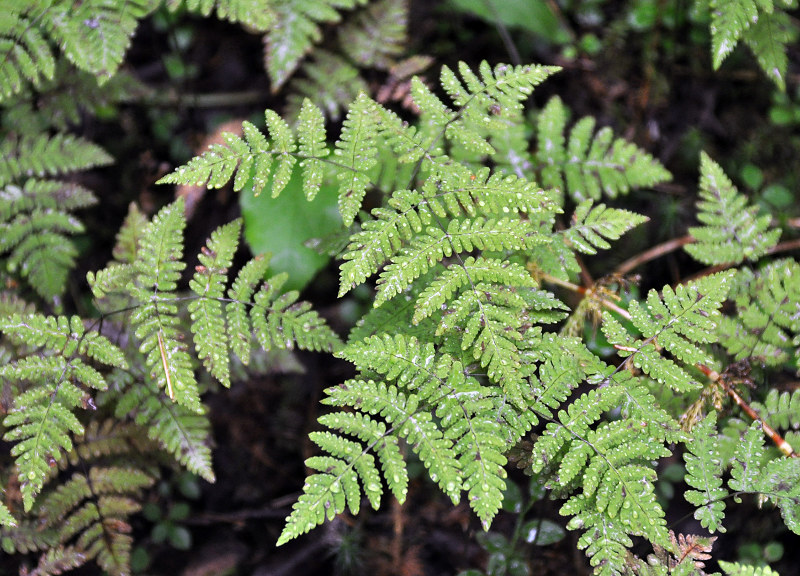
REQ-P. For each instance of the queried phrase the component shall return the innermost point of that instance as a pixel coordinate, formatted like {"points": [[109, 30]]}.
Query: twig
{"points": [[587, 292], [776, 438], [655, 252]]}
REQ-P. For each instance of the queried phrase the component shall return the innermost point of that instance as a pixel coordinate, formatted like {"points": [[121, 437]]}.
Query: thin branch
{"points": [[655, 252], [776, 438]]}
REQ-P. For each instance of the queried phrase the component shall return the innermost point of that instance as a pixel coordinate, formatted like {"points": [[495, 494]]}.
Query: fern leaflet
{"points": [[733, 232]]}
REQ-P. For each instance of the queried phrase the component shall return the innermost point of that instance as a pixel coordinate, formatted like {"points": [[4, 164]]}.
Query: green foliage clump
{"points": [[466, 354]]}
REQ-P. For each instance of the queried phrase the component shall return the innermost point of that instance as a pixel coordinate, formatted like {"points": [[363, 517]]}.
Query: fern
{"points": [[704, 467], [765, 326], [93, 35], [761, 24], [35, 213], [588, 165], [296, 30], [679, 322], [733, 232], [256, 14], [51, 386]]}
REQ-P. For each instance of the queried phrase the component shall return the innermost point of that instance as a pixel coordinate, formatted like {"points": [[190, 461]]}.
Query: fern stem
{"points": [[588, 292], [655, 252], [776, 438]]}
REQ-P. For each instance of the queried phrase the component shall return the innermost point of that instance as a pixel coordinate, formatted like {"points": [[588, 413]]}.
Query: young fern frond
{"points": [[588, 165], [591, 226], [733, 231], [766, 325]]}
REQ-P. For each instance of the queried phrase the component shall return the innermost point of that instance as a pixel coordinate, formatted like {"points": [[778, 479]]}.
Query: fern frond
{"points": [[465, 409], [208, 323], [256, 14], [25, 54], [729, 20], [679, 321], [48, 156], [312, 147], [327, 493], [766, 325], [94, 35], [452, 191], [356, 150], [591, 226], [35, 217], [92, 511], [42, 417], [241, 292], [763, 26], [737, 569], [780, 409], [733, 231], [611, 467], [704, 468], [282, 322], [376, 35], [295, 30], [250, 160], [767, 39], [181, 432], [158, 269], [589, 165], [330, 81], [435, 244]]}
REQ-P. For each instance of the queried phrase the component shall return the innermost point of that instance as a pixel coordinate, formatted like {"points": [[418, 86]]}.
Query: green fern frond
{"points": [[295, 30], [733, 231], [356, 150], [737, 569], [589, 165], [680, 322], [92, 510], [45, 155], [158, 270], [251, 158], [282, 322], [429, 248], [35, 216], [25, 54], [94, 35], [326, 494], [611, 468], [208, 323], [330, 81], [241, 292], [452, 191], [768, 39], [704, 468], [181, 432], [256, 14], [776, 479], [53, 386], [376, 35], [763, 26], [765, 325], [781, 410], [591, 226]]}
